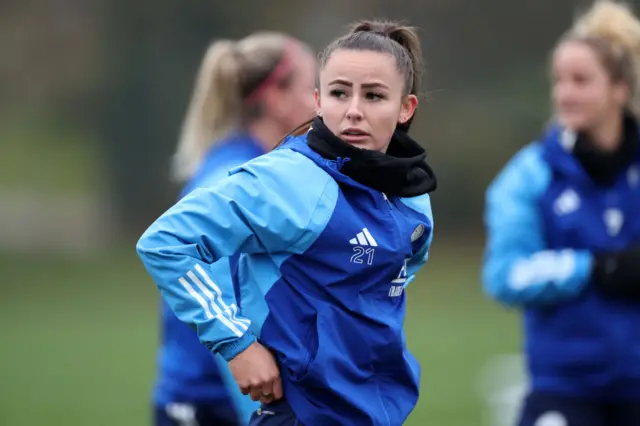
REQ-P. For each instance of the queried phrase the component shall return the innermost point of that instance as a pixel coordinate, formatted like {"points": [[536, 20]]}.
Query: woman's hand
{"points": [[257, 374]]}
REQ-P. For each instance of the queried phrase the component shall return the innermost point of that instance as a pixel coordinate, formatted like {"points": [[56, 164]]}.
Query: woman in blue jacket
{"points": [[328, 230], [248, 93], [563, 225]]}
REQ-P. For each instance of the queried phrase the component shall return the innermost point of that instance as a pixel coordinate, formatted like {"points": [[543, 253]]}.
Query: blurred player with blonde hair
{"points": [[248, 94], [563, 227]]}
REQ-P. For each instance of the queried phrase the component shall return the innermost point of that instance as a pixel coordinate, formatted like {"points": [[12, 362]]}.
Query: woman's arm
{"points": [[257, 209], [518, 269]]}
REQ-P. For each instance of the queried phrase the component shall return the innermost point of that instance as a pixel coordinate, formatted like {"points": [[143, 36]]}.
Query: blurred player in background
{"points": [[248, 94], [563, 227]]}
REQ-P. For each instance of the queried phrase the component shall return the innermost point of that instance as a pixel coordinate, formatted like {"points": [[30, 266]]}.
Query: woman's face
{"points": [[362, 98], [295, 104], [583, 94]]}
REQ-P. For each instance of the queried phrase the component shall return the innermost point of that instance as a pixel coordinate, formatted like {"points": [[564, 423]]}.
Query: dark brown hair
{"points": [[399, 41]]}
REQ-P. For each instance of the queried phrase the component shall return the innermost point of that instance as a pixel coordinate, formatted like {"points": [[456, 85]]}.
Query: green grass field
{"points": [[79, 339]]}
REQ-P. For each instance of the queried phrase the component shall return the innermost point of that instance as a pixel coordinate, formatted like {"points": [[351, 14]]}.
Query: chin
{"points": [[362, 145], [358, 144], [574, 123]]}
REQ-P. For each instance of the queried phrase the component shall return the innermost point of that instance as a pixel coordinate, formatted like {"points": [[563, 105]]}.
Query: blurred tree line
{"points": [[120, 72]]}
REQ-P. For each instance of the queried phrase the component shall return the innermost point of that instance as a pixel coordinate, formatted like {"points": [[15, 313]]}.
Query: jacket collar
{"points": [[403, 171], [574, 154]]}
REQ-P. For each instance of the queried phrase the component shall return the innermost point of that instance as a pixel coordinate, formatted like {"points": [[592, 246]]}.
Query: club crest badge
{"points": [[417, 233]]}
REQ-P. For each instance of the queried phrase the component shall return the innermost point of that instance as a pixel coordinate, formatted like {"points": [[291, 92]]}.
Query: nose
{"points": [[563, 92], [354, 112]]}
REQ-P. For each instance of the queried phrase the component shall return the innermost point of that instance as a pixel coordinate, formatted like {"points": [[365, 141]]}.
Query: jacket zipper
{"points": [[397, 239], [394, 217]]}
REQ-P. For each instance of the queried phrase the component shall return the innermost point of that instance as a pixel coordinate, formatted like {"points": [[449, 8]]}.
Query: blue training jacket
{"points": [[323, 265], [187, 371], [545, 219]]}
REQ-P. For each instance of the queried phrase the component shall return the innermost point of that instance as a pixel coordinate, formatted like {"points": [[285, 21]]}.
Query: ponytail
{"points": [[215, 107], [228, 92]]}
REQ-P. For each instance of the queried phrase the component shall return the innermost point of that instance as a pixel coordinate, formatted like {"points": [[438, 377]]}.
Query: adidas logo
{"points": [[364, 238]]}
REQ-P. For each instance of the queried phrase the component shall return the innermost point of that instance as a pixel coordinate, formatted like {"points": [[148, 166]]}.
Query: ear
{"points": [[316, 97], [621, 93], [271, 98], [408, 108]]}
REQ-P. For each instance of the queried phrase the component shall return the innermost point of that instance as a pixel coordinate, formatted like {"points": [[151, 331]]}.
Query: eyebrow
{"points": [[364, 85]]}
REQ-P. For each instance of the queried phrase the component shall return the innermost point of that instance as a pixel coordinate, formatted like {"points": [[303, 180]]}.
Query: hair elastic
{"points": [[279, 73]]}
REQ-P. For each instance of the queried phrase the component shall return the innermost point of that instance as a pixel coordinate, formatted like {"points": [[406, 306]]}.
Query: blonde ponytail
{"points": [[616, 24], [227, 92], [214, 110]]}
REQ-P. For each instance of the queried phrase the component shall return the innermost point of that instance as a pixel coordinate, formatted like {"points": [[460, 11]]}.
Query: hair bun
{"points": [[378, 27], [390, 29], [404, 35], [612, 21]]}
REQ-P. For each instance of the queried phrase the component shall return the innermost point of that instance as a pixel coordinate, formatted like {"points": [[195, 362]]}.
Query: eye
{"points": [[375, 96], [581, 79], [337, 93]]}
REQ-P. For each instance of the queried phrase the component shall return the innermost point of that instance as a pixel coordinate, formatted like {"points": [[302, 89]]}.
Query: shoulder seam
{"points": [[428, 197]]}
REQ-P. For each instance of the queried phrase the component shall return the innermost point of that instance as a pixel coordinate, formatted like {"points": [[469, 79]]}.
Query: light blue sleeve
{"points": [[421, 204], [518, 269], [220, 170], [258, 209]]}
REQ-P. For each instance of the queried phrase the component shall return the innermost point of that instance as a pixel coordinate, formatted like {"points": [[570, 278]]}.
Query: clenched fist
{"points": [[256, 373]]}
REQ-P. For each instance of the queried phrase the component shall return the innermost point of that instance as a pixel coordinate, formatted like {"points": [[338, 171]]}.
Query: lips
{"points": [[353, 133], [354, 136]]}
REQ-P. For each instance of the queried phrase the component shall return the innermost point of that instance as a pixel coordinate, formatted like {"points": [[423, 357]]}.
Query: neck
{"points": [[266, 132], [607, 136], [403, 173]]}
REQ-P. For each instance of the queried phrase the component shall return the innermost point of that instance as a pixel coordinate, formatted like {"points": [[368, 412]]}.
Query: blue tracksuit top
{"points": [[323, 265], [545, 219], [187, 371]]}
